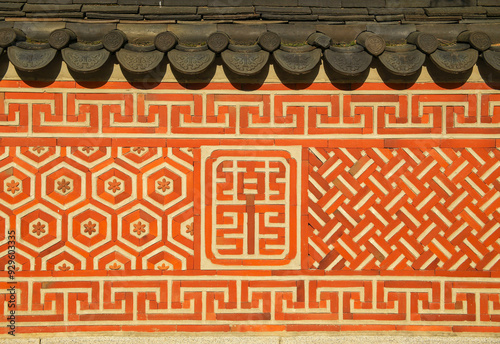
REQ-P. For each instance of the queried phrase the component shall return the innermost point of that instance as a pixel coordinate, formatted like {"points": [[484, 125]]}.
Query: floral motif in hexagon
{"points": [[17, 186], [38, 227], [164, 186], [139, 227], [64, 185], [114, 186], [89, 227]]}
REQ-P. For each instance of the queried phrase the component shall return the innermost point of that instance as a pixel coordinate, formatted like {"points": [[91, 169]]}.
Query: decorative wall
{"points": [[287, 208]]}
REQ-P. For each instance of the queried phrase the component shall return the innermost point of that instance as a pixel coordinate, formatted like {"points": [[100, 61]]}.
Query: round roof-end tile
{"points": [[352, 61], [9, 36], [139, 62], [165, 41], [269, 41], [30, 60], [245, 63], [492, 58], [114, 40], [479, 40], [61, 38], [297, 62], [218, 42], [373, 43], [85, 61], [426, 42], [191, 62], [319, 40], [453, 61], [403, 62]]}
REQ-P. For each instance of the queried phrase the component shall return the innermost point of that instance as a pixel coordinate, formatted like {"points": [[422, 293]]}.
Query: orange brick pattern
{"points": [[224, 111], [279, 209], [404, 209]]}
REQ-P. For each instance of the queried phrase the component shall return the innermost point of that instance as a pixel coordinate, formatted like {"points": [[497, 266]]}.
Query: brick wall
{"points": [[227, 207]]}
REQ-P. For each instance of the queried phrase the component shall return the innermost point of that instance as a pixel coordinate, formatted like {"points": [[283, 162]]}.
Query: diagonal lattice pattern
{"points": [[395, 209]]}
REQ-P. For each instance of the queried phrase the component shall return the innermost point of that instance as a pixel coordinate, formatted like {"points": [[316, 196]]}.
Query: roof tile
{"points": [[145, 10], [47, 8], [110, 9], [452, 3], [114, 15], [225, 10], [95, 2], [445, 11], [10, 6], [340, 11], [300, 17], [276, 2], [487, 2], [230, 3], [320, 3], [407, 3], [363, 3], [398, 10], [283, 10]]}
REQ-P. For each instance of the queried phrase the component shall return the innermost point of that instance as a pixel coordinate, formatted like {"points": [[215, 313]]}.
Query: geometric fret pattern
{"points": [[254, 303], [222, 210], [404, 209], [376, 111]]}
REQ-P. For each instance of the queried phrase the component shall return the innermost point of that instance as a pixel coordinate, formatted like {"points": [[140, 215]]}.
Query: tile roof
{"points": [[282, 10], [247, 35]]}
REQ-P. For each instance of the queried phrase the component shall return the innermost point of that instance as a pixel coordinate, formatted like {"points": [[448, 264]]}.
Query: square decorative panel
{"points": [[251, 212]]}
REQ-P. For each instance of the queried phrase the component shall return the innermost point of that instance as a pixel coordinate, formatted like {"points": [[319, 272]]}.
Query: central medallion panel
{"points": [[252, 208]]}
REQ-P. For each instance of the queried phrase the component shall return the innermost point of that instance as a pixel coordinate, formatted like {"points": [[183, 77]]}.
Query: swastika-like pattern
{"points": [[377, 112], [273, 303]]}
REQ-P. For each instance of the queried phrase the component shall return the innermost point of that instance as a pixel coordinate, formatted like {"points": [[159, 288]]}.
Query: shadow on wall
{"points": [[43, 77], [490, 75], [151, 79], [447, 80]]}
